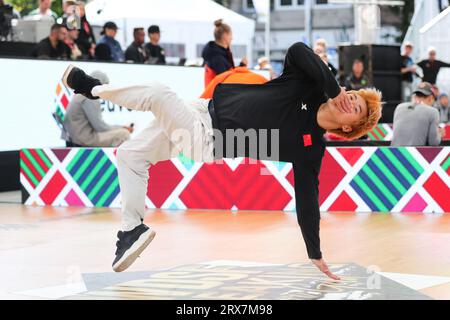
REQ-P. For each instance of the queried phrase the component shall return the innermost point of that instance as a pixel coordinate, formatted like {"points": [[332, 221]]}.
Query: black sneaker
{"points": [[80, 82], [130, 245]]}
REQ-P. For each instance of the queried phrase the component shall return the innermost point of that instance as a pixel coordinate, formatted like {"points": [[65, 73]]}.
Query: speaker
{"points": [[389, 83], [382, 64], [388, 111]]}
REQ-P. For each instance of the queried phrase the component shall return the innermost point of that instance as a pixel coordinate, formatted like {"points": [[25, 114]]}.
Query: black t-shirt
{"points": [[45, 49], [290, 104], [431, 69], [155, 54], [135, 53]]}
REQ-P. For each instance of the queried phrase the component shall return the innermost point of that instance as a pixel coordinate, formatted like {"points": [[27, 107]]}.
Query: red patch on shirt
{"points": [[307, 141]]}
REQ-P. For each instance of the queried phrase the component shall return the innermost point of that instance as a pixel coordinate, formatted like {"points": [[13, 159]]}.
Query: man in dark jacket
{"points": [[155, 53], [431, 66], [135, 52], [294, 110]]}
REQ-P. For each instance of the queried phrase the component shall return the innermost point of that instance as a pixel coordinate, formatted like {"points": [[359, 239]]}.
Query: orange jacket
{"points": [[236, 75], [209, 75]]}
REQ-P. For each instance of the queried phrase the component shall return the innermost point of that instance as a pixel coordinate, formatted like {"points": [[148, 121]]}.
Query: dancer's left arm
{"points": [[301, 59], [306, 176]]}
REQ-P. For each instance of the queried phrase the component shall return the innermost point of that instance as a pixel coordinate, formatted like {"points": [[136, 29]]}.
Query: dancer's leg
{"points": [[172, 112], [133, 160], [182, 122]]}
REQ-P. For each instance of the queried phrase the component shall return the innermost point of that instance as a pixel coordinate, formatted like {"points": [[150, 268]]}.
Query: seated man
{"points": [[416, 123], [53, 47], [294, 110], [84, 123]]}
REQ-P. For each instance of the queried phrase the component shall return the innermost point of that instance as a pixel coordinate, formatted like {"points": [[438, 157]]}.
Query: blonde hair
{"points": [[372, 97], [220, 29]]}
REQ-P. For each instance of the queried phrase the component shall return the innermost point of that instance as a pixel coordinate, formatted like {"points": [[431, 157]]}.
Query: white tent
{"points": [[188, 22]]}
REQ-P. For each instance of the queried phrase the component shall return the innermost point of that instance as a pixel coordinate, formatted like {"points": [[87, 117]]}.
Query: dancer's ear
{"points": [[347, 129]]}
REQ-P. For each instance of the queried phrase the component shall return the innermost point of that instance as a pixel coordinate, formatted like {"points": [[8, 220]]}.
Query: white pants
{"points": [[179, 127]]}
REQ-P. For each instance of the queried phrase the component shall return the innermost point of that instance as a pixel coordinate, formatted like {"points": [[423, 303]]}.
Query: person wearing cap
{"points": [[408, 70], [135, 52], [155, 53], [416, 123], [443, 107], [85, 125], [431, 66], [264, 64], [109, 33]]}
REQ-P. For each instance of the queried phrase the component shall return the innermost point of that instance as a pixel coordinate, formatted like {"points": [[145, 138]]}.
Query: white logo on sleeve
{"points": [[304, 106]]}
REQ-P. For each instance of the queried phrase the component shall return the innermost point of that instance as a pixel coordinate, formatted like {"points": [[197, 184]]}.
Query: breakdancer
{"points": [[295, 110]]}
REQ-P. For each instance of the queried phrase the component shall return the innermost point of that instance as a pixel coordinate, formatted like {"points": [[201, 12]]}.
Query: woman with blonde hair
{"points": [[217, 54]]}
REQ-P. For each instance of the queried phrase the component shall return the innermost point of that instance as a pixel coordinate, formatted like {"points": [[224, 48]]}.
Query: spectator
{"points": [[85, 125], [86, 39], [416, 123], [70, 10], [443, 107], [102, 53], [154, 52], [217, 55], [322, 51], [408, 70], [357, 80], [15, 13], [135, 52], [43, 11], [431, 66], [53, 46], [109, 33], [70, 41], [264, 64]]}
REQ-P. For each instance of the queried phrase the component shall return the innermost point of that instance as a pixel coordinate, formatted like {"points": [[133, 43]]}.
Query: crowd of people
{"points": [[422, 117], [72, 38]]}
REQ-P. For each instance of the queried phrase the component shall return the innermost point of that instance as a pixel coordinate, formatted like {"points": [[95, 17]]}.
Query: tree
{"points": [[406, 13], [25, 6]]}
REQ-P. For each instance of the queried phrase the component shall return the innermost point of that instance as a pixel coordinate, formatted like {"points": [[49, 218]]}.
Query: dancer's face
{"points": [[348, 120]]}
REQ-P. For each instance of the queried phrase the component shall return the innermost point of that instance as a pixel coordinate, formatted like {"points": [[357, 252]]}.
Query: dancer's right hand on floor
{"points": [[342, 101], [322, 266]]}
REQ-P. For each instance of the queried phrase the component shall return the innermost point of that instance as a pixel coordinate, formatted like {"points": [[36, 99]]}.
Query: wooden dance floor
{"points": [[66, 253]]}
